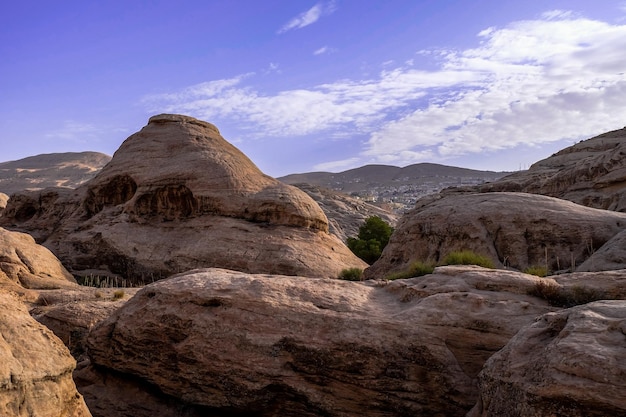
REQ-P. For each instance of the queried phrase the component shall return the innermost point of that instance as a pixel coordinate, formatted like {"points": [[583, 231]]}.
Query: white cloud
{"points": [[540, 81], [340, 165], [530, 82], [322, 50], [309, 17]]}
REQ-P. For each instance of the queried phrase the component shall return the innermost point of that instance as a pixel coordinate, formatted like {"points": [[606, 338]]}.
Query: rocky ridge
{"points": [[591, 172], [514, 230], [168, 194], [37, 172]]}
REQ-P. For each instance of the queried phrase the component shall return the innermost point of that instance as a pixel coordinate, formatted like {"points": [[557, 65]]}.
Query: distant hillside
{"points": [[390, 184], [50, 170]]}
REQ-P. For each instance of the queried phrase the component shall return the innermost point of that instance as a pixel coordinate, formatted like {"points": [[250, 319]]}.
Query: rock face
{"points": [[26, 265], [570, 363], [228, 342], [3, 202], [50, 170], [35, 367], [177, 196], [345, 214], [514, 229], [591, 173]]}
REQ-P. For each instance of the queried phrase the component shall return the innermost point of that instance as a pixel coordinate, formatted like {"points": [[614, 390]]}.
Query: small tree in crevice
{"points": [[372, 238]]}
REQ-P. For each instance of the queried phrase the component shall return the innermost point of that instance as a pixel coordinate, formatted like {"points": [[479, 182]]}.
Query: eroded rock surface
{"points": [[345, 214], [35, 367], [231, 342], [570, 363], [591, 173], [516, 230], [177, 196], [25, 266]]}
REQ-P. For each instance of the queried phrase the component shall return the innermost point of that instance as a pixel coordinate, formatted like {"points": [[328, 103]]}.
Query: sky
{"points": [[328, 85]]}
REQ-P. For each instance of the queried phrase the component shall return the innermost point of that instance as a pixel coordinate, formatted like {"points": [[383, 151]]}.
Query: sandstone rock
{"points": [[3, 202], [35, 368], [25, 265], [50, 170], [610, 256], [570, 363], [345, 214], [516, 230], [177, 196], [591, 173], [231, 342]]}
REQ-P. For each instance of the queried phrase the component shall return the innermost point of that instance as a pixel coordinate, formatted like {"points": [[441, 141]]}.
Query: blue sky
{"points": [[317, 86]]}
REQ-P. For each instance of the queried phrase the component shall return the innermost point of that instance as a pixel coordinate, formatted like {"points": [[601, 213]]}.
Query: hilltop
{"points": [[398, 186]]}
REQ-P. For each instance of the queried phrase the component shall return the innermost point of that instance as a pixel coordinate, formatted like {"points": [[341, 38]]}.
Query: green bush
{"points": [[118, 294], [351, 274], [372, 238], [467, 257], [540, 271], [415, 269]]}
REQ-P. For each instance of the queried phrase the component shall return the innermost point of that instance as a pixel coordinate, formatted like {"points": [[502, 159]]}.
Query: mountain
{"points": [[177, 196], [391, 184], [68, 170]]}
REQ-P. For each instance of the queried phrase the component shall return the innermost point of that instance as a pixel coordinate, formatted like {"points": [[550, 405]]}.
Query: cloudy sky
{"points": [[326, 85]]}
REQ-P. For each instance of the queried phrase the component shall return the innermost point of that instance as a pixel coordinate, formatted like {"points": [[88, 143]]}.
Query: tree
{"points": [[372, 238]]}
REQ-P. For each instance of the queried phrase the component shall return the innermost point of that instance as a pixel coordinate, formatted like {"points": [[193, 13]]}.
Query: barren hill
{"points": [[392, 184], [68, 169]]}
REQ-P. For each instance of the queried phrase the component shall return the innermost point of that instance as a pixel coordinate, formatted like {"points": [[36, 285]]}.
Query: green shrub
{"points": [[415, 269], [118, 294], [372, 238], [467, 257], [540, 271], [351, 274]]}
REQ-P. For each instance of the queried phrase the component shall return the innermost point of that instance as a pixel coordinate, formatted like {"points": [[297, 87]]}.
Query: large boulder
{"points": [[229, 342], [177, 196], [570, 363], [515, 230], [591, 173], [35, 367], [25, 266]]}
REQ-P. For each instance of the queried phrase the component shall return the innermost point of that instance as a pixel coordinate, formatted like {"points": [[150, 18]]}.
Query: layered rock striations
{"points": [[591, 173], [231, 342], [26, 266], [568, 363], [516, 230], [177, 196], [35, 367]]}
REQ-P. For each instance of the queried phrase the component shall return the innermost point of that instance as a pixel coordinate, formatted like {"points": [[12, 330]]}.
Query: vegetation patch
{"points": [[372, 238], [416, 269], [540, 271], [559, 296], [467, 257], [351, 274]]}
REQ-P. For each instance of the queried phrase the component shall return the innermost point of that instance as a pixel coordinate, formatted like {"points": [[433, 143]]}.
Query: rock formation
{"points": [[35, 367], [177, 196], [516, 230], [25, 266], [345, 214], [570, 363], [3, 202], [230, 342], [50, 170], [591, 173]]}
